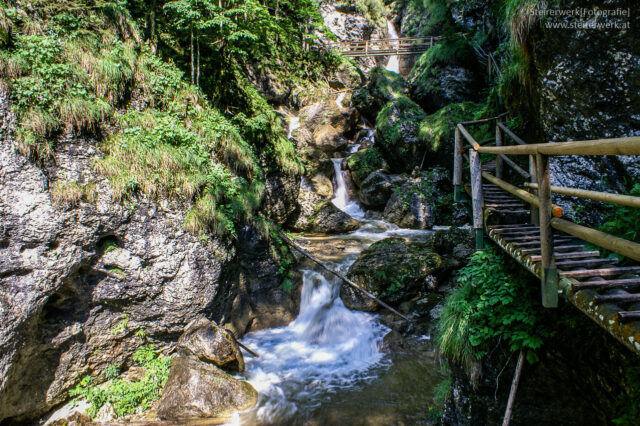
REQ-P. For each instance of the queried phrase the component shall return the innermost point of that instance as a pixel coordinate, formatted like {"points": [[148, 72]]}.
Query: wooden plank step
{"points": [[617, 298], [518, 232], [537, 243], [521, 225], [602, 284], [556, 248], [571, 255], [508, 211], [628, 316], [569, 264], [529, 237], [603, 272]]}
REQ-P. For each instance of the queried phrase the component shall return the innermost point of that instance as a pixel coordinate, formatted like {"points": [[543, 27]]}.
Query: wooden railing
{"points": [[607, 294], [543, 212], [385, 46]]}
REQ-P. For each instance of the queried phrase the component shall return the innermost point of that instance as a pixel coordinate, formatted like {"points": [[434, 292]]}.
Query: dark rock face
{"points": [[197, 390], [394, 270], [320, 216], [457, 243], [589, 88], [409, 210], [281, 192], [376, 189], [439, 87], [211, 343]]}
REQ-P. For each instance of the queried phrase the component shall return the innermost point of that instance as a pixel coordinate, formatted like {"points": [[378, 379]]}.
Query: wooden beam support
{"points": [[549, 271], [476, 195], [458, 193]]}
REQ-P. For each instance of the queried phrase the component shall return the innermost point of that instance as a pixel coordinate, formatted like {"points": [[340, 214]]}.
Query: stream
{"points": [[331, 365]]}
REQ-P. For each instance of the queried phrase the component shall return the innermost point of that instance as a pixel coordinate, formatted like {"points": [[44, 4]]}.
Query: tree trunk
{"points": [[193, 69], [198, 66]]}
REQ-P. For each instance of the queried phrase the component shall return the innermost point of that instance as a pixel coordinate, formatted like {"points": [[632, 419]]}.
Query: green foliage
{"points": [[493, 301], [127, 395], [364, 162], [628, 406], [623, 222], [71, 193], [438, 128], [122, 325], [383, 86]]}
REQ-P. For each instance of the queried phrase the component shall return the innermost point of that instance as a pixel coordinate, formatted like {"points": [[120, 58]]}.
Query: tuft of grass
{"points": [[71, 193]]}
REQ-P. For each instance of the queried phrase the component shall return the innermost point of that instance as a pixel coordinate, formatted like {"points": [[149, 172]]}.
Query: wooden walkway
{"points": [[565, 256], [385, 47]]}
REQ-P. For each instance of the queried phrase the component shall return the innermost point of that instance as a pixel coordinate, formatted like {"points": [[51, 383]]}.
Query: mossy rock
{"points": [[383, 86], [395, 270], [363, 163], [398, 135], [446, 73]]}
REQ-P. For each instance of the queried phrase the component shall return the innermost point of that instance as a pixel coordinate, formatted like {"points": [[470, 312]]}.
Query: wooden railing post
{"points": [[457, 167], [535, 215], [366, 47], [476, 196], [498, 143], [549, 272]]}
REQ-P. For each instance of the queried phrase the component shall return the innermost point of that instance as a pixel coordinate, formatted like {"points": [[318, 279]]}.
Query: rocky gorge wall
{"points": [[84, 285]]}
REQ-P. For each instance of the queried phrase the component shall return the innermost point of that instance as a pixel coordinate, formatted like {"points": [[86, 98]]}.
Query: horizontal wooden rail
{"points": [[511, 134], [617, 146], [615, 244], [520, 193], [472, 142], [482, 121], [623, 200], [514, 166]]}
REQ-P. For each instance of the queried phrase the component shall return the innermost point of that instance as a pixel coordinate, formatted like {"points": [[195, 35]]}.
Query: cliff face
{"points": [[588, 83], [82, 287]]}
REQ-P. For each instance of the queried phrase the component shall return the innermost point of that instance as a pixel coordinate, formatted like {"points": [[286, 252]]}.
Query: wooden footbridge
{"points": [[525, 223], [385, 46]]}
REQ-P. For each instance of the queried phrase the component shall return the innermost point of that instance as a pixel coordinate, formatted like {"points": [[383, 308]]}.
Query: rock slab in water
{"points": [[199, 390], [377, 188], [394, 270], [212, 343], [320, 215]]}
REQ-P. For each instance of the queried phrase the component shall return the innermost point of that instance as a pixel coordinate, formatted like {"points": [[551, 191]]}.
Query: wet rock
{"points": [[328, 139], [383, 86], [457, 243], [394, 270], [376, 189], [274, 89], [398, 134], [211, 343], [327, 112], [197, 390], [319, 215], [363, 163], [346, 76], [322, 185]]}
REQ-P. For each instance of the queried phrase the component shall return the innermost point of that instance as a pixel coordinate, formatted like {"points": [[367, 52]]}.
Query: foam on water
{"points": [[325, 348], [341, 195]]}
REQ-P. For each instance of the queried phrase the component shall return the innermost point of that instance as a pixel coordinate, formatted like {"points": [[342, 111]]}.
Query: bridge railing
{"points": [[386, 46], [539, 190]]}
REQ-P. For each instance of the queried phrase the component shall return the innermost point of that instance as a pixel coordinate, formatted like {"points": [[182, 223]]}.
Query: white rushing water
{"points": [[294, 123], [394, 61], [341, 194], [340, 99], [327, 347]]}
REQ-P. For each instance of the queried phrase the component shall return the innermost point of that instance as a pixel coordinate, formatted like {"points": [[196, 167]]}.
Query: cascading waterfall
{"points": [[326, 347], [394, 61], [294, 123], [341, 194]]}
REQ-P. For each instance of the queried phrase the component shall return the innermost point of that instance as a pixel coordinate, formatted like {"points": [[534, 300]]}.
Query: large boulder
{"points": [[376, 189], [319, 215], [383, 86], [211, 343], [328, 139], [398, 134], [197, 390], [456, 243], [346, 75], [445, 74], [363, 163], [280, 195], [327, 112], [395, 270], [422, 201]]}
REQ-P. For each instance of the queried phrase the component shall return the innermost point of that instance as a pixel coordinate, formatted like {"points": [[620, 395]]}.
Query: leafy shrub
{"points": [[71, 193], [623, 222], [494, 300], [127, 395]]}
